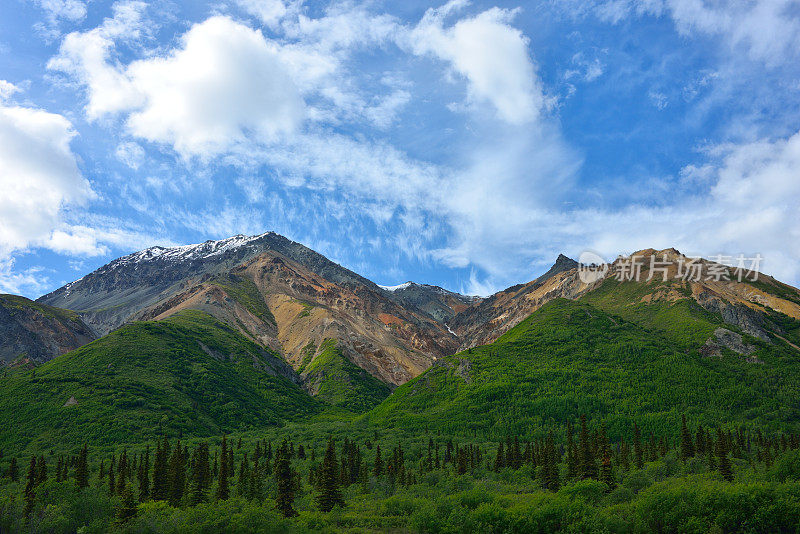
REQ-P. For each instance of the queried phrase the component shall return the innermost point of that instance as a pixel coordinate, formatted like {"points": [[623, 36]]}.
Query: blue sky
{"points": [[464, 144]]}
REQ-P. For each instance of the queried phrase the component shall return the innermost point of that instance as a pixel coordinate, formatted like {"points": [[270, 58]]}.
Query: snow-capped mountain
{"points": [[279, 293], [198, 251]]}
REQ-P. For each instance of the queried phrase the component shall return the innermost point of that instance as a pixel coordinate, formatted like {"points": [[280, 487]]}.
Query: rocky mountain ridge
{"points": [[293, 301], [33, 333]]}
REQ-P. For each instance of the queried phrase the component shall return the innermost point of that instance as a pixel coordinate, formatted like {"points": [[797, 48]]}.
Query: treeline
{"points": [[184, 477]]}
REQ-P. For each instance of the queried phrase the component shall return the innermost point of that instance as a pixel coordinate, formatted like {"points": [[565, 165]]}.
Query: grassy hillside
{"points": [[188, 374], [570, 358], [340, 382], [683, 322], [244, 291]]}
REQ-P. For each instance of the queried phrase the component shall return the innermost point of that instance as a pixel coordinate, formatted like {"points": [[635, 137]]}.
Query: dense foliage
{"points": [[570, 357], [189, 374], [691, 480], [340, 382]]}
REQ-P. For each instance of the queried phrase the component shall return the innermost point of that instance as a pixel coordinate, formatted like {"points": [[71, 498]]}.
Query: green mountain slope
{"points": [[570, 358], [187, 374], [336, 380]]}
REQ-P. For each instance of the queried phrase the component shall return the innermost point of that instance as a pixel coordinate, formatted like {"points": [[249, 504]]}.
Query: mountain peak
{"points": [[195, 251], [565, 260]]}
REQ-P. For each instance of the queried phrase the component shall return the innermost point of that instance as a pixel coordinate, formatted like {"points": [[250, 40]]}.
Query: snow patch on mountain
{"points": [[198, 251], [397, 287]]}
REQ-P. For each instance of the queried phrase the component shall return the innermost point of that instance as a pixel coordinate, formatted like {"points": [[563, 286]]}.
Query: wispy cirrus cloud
{"points": [[434, 138]]}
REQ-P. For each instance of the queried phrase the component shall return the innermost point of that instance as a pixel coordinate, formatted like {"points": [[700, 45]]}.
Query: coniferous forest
{"points": [[694, 479], [575, 420]]}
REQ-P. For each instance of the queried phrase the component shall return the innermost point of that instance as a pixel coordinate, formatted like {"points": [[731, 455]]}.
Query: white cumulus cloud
{"points": [[490, 53], [39, 175], [225, 82], [88, 57]]}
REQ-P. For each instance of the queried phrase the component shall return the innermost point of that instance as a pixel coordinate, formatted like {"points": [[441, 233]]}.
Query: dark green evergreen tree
{"points": [[161, 471], [587, 457], [201, 474], [700, 440], [222, 480], [286, 481], [176, 475], [242, 484], [122, 471], [59, 467], [711, 452], [328, 482], [724, 462], [550, 465], [500, 459], [144, 476], [256, 485]]}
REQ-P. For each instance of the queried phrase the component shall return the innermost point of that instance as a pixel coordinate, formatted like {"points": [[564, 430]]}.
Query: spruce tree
{"points": [[550, 466], [244, 477], [500, 459], [286, 481], [606, 474], [330, 495], [161, 471], [222, 483], [652, 449], [122, 471], [144, 476], [176, 475], [700, 441], [624, 453], [82, 469], [724, 462], [711, 453], [461, 460], [587, 458], [201, 474]]}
